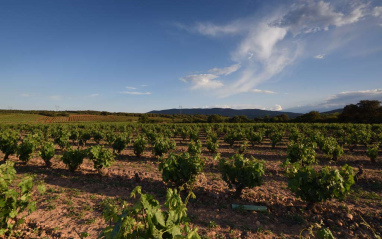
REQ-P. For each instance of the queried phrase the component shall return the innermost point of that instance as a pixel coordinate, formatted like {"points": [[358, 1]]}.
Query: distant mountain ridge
{"points": [[250, 113]]}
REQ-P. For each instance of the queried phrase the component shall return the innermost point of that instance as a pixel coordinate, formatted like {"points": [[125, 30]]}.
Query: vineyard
{"points": [[130, 180]]}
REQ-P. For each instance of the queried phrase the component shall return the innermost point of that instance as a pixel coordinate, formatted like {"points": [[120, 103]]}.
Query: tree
{"points": [[215, 119], [143, 118]]}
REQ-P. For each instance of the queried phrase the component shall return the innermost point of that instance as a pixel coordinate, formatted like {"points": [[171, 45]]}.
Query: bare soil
{"points": [[71, 204]]}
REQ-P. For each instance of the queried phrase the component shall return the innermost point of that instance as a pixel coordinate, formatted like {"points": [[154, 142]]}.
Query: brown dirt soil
{"points": [[71, 204]]}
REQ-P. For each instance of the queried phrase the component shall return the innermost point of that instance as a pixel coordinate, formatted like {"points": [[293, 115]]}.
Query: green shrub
{"points": [[255, 138], [301, 152], [146, 219], [241, 172], [120, 143], [181, 169], [101, 157], [8, 142], [318, 186], [27, 147], [73, 158], [140, 144], [13, 200], [276, 137], [195, 147], [372, 152], [47, 152], [163, 145], [332, 148], [212, 146]]}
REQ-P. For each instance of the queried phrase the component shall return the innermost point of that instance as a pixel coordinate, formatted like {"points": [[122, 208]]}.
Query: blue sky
{"points": [[137, 56]]}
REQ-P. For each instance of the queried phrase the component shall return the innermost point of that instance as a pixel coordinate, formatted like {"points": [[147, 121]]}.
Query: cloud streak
{"points": [[270, 44], [135, 93], [341, 99]]}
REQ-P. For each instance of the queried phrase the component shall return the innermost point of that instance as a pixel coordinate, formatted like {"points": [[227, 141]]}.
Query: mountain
{"points": [[250, 113], [333, 111]]}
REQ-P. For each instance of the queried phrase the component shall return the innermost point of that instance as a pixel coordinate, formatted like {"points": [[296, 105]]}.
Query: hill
{"points": [[250, 113]]}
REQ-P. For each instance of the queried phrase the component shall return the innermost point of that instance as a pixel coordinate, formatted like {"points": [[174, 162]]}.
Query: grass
{"points": [[18, 118]]}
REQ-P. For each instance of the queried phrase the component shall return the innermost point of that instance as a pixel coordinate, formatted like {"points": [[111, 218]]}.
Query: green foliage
{"points": [[47, 152], [243, 147], [73, 158], [121, 142], [241, 172], [301, 152], [276, 137], [13, 200], [146, 219], [318, 186], [372, 152], [98, 135], [84, 136], [212, 146], [27, 147], [194, 134], [332, 148], [181, 169], [140, 144], [8, 142], [163, 145], [255, 137], [110, 137], [195, 147], [61, 137], [101, 157]]}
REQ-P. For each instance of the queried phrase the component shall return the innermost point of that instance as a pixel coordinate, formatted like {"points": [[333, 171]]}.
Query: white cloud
{"points": [[144, 85], [135, 93], [131, 88], [276, 41], [55, 97], [202, 81], [210, 29], [340, 100], [226, 70], [313, 16], [262, 91], [377, 11], [94, 95], [349, 97], [277, 108], [320, 56], [25, 95]]}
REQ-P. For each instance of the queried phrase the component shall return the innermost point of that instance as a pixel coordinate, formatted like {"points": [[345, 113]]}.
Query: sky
{"points": [[138, 56]]}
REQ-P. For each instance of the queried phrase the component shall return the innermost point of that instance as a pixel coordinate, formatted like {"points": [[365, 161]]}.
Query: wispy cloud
{"points": [[377, 11], [340, 100], [25, 95], [131, 88], [94, 95], [135, 93], [55, 97], [262, 91], [209, 80], [225, 71], [202, 81], [276, 107], [270, 44], [319, 56]]}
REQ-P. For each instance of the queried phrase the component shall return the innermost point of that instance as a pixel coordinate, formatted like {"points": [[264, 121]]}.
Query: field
{"points": [[73, 202], [13, 118]]}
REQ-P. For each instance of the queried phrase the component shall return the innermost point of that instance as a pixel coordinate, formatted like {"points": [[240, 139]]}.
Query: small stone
{"points": [[339, 223], [349, 216]]}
